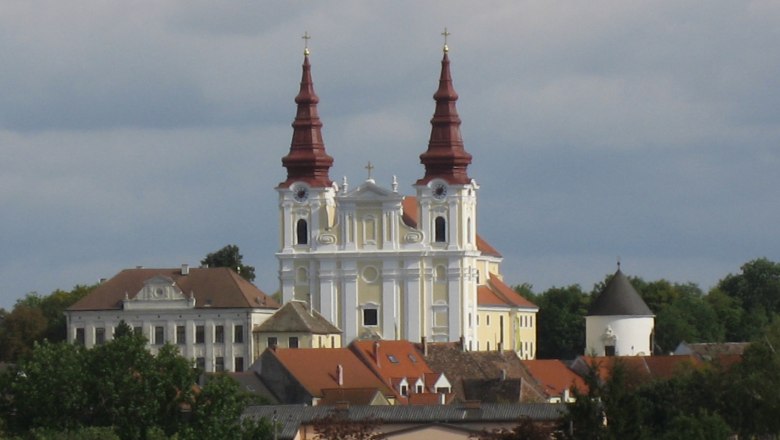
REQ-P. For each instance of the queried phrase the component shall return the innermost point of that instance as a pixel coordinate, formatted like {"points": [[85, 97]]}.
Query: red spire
{"points": [[307, 160], [446, 158]]}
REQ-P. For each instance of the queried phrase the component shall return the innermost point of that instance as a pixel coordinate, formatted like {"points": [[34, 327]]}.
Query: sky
{"points": [[150, 133]]}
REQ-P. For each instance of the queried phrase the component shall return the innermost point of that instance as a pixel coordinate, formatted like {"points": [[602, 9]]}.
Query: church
{"points": [[379, 264]]}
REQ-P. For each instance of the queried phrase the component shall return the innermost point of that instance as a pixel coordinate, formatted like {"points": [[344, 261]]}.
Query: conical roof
{"points": [[619, 298], [307, 161], [446, 158]]}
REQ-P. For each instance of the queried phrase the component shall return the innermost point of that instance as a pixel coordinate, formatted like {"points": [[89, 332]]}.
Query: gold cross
{"points": [[306, 37], [445, 34], [369, 167]]}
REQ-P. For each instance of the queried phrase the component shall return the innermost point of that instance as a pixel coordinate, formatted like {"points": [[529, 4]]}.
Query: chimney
{"points": [[499, 348], [185, 269], [340, 374], [376, 353], [424, 343], [462, 343]]}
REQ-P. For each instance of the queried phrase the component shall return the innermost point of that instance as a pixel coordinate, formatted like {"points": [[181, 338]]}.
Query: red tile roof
{"points": [[316, 369], [497, 293], [554, 376], [217, 287], [643, 367], [396, 360], [411, 218]]}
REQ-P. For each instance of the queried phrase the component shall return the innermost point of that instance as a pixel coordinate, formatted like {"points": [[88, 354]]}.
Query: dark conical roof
{"points": [[619, 298]]}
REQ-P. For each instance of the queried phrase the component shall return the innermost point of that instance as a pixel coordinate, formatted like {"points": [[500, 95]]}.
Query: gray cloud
{"points": [[151, 135]]}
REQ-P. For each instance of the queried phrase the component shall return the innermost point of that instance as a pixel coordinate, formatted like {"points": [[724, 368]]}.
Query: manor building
{"points": [[382, 265]]}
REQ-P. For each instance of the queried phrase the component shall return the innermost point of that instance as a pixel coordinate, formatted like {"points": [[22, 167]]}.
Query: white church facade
{"points": [[380, 264]]}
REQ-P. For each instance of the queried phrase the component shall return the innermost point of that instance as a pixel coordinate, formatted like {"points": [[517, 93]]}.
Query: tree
{"points": [[757, 291], [561, 322], [217, 410], [229, 256], [21, 328]]}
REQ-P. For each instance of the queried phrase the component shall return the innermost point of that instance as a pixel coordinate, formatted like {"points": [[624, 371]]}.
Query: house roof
{"points": [[554, 377], [619, 298], [497, 293], [712, 350], [296, 317], [393, 361], [316, 369], [217, 287], [355, 396], [291, 417], [411, 216], [644, 368], [471, 373], [250, 382]]}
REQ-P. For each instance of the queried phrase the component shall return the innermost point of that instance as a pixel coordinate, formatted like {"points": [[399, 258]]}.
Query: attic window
{"points": [[412, 358], [392, 358]]}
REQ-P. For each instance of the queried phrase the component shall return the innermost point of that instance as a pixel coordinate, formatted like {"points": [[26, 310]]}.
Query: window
{"points": [[301, 232], [219, 334], [370, 317], [200, 363], [404, 390], [419, 389], [219, 364], [80, 338], [392, 358], [412, 358], [200, 334], [487, 320], [238, 334], [181, 335], [440, 235], [100, 336], [609, 350], [292, 342], [239, 364], [159, 335], [272, 342]]}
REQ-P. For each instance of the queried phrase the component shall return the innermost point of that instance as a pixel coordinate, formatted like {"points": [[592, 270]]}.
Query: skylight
{"points": [[392, 358]]}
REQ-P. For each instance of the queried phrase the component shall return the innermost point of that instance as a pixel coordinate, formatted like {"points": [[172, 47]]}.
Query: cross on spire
{"points": [[369, 167], [445, 34], [306, 37]]}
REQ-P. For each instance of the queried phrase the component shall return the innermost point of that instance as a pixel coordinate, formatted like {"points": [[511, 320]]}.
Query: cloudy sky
{"points": [[150, 132]]}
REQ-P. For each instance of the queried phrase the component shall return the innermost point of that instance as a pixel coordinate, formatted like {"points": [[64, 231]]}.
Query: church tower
{"points": [[306, 197]]}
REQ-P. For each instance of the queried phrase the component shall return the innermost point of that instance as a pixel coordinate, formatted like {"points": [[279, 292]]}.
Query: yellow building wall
{"points": [[519, 331], [305, 340]]}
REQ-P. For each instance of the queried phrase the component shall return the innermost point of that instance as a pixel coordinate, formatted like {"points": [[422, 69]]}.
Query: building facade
{"points": [[208, 313], [379, 264]]}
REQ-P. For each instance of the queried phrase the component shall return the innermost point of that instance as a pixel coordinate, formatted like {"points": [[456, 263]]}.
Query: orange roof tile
{"points": [[411, 216], [643, 367], [396, 360], [497, 293], [316, 369], [217, 287], [554, 376]]}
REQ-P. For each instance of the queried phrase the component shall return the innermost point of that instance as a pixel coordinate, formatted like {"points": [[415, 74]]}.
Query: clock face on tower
{"points": [[300, 193], [439, 190]]}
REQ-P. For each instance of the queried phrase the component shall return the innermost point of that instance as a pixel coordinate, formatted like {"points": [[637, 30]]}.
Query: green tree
{"points": [[757, 291], [230, 256], [20, 329], [216, 413], [561, 322]]}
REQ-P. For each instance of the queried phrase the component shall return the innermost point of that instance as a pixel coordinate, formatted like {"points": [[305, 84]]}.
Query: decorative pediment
{"points": [[370, 191], [159, 292]]}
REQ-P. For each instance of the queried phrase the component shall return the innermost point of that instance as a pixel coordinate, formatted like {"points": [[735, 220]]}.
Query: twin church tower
{"points": [[379, 264]]}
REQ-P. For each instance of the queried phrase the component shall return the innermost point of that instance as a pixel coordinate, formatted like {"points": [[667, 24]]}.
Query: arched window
{"points": [[441, 230], [302, 232]]}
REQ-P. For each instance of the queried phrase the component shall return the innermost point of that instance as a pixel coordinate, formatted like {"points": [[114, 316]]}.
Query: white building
{"points": [[619, 322], [377, 263], [209, 313]]}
